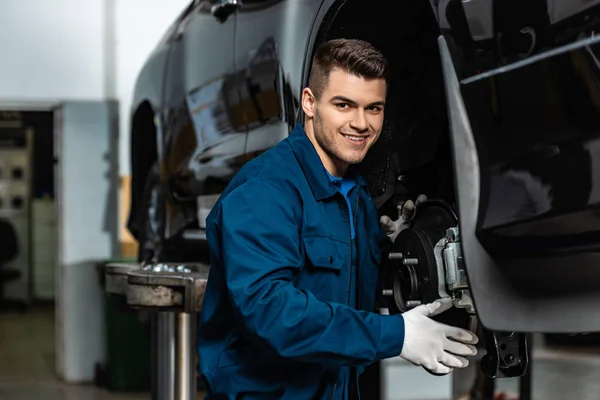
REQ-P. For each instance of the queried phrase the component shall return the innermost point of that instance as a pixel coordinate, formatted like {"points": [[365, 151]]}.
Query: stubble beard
{"points": [[326, 140]]}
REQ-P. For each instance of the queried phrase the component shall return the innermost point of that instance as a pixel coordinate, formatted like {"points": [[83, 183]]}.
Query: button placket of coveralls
{"points": [[354, 269], [353, 377], [346, 217], [358, 254], [343, 207]]}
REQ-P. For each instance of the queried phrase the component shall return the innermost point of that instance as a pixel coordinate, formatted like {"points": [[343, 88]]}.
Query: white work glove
{"points": [[437, 347], [393, 228]]}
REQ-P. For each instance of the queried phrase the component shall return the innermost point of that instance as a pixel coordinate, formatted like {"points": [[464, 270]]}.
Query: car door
{"points": [[523, 92], [270, 42], [204, 126]]}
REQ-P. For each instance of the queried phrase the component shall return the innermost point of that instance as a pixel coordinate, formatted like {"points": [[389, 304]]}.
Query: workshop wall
{"points": [[68, 50], [55, 50], [52, 50]]}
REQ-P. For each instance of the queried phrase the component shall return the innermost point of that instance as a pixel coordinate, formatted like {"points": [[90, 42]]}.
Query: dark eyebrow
{"points": [[352, 102]]}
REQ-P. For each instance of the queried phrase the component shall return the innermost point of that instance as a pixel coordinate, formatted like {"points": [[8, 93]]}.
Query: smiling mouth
{"points": [[355, 138]]}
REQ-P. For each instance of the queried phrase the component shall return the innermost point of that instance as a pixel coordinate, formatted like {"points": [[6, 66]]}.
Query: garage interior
{"points": [[64, 180]]}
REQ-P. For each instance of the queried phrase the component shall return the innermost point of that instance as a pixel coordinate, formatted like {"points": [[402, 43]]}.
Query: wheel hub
{"points": [[425, 264]]}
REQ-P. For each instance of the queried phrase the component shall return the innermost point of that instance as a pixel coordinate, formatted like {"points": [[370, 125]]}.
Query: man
{"points": [[296, 244]]}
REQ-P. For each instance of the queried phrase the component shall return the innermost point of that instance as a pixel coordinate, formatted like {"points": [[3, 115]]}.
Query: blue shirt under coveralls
{"points": [[289, 310]]}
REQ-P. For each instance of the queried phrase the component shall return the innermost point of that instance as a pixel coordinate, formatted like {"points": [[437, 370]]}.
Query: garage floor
{"points": [[563, 374], [27, 362]]}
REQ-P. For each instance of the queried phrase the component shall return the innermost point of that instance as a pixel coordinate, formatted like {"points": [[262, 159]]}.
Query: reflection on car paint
{"points": [[536, 122]]}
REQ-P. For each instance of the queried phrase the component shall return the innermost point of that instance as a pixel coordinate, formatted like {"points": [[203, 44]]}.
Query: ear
{"points": [[308, 102]]}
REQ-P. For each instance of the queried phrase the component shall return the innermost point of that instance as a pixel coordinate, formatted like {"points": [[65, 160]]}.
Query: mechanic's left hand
{"points": [[409, 210]]}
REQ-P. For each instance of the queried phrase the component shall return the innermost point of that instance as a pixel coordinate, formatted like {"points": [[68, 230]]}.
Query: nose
{"points": [[359, 122]]}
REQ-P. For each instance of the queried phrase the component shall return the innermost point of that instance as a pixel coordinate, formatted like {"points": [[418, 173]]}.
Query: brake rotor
{"points": [[412, 271], [425, 264]]}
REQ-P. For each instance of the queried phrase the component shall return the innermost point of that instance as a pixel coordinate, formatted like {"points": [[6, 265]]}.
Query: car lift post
{"points": [[174, 364], [163, 365], [175, 299]]}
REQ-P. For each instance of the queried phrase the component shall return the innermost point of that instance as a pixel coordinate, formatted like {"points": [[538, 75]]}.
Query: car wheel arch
{"points": [[144, 154]]}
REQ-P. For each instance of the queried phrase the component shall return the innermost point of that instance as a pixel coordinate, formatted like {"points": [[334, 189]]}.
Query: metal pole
{"points": [[154, 355], [165, 356], [185, 378]]}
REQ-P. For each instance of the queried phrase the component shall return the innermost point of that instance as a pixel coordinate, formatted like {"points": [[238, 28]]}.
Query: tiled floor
{"points": [[27, 367]]}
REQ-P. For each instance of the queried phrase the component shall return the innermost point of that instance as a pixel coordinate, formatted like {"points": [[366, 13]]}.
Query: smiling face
{"points": [[346, 119]]}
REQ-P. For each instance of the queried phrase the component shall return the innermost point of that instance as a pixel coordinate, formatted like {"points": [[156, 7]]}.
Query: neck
{"points": [[334, 166]]}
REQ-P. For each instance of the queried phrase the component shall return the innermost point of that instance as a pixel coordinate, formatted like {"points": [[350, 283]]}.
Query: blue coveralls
{"points": [[289, 310]]}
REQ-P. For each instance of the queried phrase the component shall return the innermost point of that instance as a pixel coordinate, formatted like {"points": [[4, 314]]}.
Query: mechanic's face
{"points": [[346, 121]]}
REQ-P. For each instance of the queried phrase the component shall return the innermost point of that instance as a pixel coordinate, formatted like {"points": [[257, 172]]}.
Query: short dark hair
{"points": [[353, 56]]}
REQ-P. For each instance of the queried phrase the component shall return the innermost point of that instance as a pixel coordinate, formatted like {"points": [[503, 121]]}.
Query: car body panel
{"points": [[149, 83], [559, 10], [148, 86], [204, 131], [525, 138], [270, 43]]}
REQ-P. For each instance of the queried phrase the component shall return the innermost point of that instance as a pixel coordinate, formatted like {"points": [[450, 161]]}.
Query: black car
{"points": [[493, 112]]}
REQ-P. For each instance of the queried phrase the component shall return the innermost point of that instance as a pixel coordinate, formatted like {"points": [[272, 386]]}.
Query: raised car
{"points": [[493, 112]]}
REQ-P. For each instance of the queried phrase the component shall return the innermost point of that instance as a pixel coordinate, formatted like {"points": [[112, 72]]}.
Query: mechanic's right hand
{"points": [[437, 347]]}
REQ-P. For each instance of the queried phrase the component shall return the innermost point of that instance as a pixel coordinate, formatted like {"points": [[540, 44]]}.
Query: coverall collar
{"points": [[314, 170]]}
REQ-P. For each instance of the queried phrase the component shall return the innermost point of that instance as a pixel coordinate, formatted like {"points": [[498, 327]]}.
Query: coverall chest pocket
{"points": [[326, 264]]}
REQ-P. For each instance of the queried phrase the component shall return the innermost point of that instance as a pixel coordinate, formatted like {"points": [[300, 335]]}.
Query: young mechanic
{"points": [[296, 244]]}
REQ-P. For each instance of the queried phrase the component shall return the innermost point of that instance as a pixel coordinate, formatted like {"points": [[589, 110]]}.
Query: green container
{"points": [[128, 345]]}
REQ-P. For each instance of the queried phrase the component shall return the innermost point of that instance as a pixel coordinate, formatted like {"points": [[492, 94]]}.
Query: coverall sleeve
{"points": [[260, 235]]}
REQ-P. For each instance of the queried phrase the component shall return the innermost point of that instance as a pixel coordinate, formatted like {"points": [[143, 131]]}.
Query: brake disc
{"points": [[425, 264]]}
